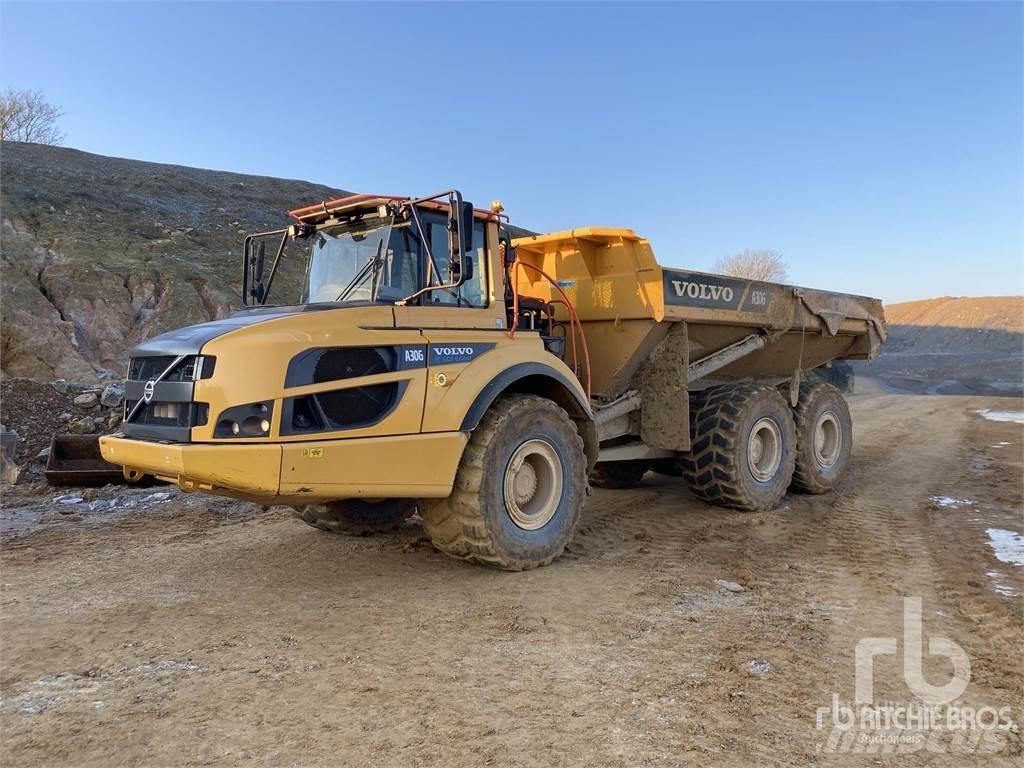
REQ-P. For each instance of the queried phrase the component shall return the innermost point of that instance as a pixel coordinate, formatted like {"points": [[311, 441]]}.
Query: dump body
{"points": [[627, 303]]}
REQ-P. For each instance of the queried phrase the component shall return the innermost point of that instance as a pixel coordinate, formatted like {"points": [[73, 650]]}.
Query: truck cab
{"points": [[366, 386]]}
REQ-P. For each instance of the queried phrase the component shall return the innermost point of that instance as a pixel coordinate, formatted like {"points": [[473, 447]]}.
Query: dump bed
{"points": [[627, 303]]}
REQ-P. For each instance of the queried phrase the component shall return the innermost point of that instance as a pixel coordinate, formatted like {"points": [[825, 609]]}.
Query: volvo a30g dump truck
{"points": [[435, 364]]}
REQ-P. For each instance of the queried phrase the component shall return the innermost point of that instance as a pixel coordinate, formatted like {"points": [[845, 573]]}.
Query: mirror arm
{"points": [[456, 208], [247, 267], [426, 246], [273, 268]]}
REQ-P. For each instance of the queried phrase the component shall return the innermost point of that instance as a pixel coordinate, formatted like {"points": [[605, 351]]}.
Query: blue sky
{"points": [[877, 146]]}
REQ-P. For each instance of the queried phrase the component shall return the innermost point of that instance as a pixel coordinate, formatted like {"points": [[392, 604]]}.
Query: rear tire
{"points": [[743, 447], [824, 432], [357, 517], [618, 474], [519, 489]]}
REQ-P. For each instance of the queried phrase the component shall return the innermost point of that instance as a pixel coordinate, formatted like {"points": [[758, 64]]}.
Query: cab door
{"points": [[478, 303], [457, 326]]}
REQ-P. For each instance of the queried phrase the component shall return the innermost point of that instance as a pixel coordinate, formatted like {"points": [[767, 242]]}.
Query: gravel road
{"points": [[672, 633]]}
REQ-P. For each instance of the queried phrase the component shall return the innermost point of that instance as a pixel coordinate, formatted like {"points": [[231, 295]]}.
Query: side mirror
{"points": [[508, 251], [258, 262], [466, 230], [255, 259], [460, 239]]}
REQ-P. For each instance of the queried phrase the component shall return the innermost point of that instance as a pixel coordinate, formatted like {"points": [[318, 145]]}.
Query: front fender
{"points": [[507, 378], [470, 389]]}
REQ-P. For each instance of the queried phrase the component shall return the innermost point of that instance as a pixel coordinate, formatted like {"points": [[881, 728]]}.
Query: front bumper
{"points": [[404, 466]]}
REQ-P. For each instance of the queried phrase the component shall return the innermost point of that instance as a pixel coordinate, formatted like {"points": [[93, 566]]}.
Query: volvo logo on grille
{"points": [[148, 390]]}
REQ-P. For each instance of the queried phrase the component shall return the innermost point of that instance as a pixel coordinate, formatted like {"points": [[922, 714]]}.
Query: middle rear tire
{"points": [[743, 447], [357, 517], [618, 474], [668, 467]]}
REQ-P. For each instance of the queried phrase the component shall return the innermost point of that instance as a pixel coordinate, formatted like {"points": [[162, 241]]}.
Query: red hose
{"points": [[572, 338], [574, 319]]}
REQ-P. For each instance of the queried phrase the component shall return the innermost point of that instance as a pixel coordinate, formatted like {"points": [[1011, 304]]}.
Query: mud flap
{"points": [[665, 416]]}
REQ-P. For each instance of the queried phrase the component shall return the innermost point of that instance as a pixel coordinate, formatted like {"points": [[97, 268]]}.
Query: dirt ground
{"points": [[192, 634]]}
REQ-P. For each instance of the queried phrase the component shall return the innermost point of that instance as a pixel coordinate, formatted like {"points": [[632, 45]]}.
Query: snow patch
{"points": [[1008, 546], [951, 501], [1015, 416], [1001, 586]]}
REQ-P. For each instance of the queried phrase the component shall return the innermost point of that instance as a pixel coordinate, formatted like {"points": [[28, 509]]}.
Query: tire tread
{"points": [[456, 525], [710, 468]]}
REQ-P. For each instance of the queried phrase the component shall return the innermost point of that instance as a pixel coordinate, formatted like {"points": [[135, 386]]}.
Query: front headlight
{"points": [[251, 420]]}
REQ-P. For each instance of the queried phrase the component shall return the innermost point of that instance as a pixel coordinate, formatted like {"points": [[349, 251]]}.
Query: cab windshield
{"points": [[363, 261]]}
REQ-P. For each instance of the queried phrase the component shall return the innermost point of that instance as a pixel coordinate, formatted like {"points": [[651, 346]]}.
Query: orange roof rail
{"points": [[324, 209]]}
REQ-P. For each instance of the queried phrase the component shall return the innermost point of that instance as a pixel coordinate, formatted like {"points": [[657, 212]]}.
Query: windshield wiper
{"points": [[371, 263]]}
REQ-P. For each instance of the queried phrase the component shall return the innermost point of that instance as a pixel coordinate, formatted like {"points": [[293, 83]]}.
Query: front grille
{"points": [[170, 414], [161, 414], [148, 368]]}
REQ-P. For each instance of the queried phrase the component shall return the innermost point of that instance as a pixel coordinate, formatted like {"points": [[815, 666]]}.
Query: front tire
{"points": [[519, 489], [357, 517], [743, 447], [824, 433]]}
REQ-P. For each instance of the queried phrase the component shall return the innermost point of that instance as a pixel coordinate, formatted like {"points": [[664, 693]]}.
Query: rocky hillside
{"points": [[954, 345], [99, 253]]}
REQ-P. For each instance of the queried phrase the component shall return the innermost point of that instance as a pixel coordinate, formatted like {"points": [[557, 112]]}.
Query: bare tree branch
{"points": [[754, 264], [28, 116]]}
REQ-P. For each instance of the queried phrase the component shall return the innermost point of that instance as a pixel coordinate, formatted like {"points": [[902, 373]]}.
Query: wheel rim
{"points": [[533, 484], [764, 449], [828, 440]]}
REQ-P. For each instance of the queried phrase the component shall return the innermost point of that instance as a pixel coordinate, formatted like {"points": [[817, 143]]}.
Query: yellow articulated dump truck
{"points": [[433, 363]]}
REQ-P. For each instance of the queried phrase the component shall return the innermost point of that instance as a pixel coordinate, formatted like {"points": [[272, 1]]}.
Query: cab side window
{"points": [[400, 275], [473, 292]]}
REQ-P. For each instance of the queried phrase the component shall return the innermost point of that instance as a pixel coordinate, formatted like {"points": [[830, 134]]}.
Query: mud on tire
{"points": [[478, 522], [618, 474], [824, 437], [357, 517], [743, 447]]}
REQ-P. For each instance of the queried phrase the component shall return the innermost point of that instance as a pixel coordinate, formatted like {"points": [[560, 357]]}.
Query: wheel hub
{"points": [[764, 449], [533, 484], [828, 440], [524, 484]]}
